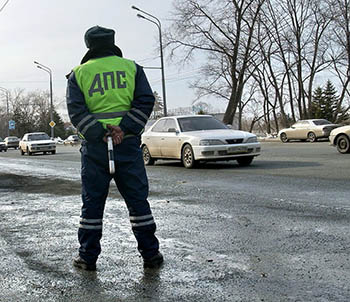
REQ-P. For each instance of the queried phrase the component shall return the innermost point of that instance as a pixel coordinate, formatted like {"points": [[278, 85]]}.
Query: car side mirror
{"points": [[293, 127], [229, 126], [172, 130]]}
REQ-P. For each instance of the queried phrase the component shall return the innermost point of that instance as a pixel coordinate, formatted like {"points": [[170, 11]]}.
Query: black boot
{"points": [[153, 262], [82, 264]]}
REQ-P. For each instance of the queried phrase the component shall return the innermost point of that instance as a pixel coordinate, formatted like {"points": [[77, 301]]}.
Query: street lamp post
{"points": [[48, 70], [7, 109], [158, 24]]}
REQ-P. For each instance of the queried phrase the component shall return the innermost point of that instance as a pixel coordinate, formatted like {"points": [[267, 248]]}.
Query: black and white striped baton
{"points": [[110, 155]]}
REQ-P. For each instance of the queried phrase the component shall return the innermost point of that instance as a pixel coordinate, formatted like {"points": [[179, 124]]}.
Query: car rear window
{"points": [[321, 122]]}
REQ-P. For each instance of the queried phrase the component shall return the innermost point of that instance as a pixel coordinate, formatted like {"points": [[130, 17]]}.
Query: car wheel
{"points": [[245, 161], [147, 158], [284, 138], [343, 144], [22, 152], [53, 152], [311, 137], [29, 153], [187, 157]]}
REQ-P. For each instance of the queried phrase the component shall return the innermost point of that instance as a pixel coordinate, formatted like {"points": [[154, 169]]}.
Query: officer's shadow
{"points": [[93, 289], [89, 284], [150, 284]]}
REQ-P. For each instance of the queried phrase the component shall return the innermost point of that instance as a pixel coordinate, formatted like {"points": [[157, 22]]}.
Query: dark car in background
{"points": [[3, 146]]}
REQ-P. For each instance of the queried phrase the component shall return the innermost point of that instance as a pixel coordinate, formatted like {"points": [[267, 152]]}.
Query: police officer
{"points": [[110, 95]]}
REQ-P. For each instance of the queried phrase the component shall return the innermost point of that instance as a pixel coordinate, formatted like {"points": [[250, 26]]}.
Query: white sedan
{"points": [[197, 138], [310, 130], [37, 142], [340, 138]]}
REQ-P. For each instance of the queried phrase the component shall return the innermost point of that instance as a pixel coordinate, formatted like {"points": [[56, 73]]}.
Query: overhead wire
{"points": [[7, 1], [146, 60], [176, 77]]}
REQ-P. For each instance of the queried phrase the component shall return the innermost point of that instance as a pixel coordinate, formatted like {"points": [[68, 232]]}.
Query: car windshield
{"points": [[200, 123], [38, 137], [12, 138], [1, 140], [321, 122]]}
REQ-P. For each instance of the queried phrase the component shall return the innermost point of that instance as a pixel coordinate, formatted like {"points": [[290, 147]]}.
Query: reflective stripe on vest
{"points": [[109, 115]]}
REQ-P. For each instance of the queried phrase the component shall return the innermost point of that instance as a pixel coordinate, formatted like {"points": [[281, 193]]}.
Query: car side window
{"points": [[160, 126], [170, 124]]}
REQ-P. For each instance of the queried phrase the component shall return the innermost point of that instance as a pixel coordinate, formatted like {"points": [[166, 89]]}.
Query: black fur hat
{"points": [[97, 39]]}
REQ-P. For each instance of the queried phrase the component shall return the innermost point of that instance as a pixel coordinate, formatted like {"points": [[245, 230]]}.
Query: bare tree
{"points": [[224, 30], [297, 50], [30, 111], [285, 46], [158, 109], [340, 42], [261, 77]]}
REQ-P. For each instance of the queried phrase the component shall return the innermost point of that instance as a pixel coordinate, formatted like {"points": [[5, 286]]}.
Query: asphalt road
{"points": [[277, 230]]}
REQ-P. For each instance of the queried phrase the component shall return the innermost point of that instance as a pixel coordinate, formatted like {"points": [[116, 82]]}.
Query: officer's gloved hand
{"points": [[116, 133]]}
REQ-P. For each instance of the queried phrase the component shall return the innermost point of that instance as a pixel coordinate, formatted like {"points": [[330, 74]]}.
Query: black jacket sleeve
{"points": [[141, 107], [81, 118]]}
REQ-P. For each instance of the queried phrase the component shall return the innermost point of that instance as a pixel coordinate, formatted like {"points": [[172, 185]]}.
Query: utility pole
{"points": [[48, 70]]}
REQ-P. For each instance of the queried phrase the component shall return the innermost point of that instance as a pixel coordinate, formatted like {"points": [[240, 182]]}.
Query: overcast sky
{"points": [[51, 32]]}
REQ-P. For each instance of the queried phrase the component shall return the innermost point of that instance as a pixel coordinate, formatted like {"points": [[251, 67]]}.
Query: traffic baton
{"points": [[110, 155]]}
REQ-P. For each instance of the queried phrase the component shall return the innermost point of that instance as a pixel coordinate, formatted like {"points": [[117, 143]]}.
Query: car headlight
{"points": [[210, 142], [252, 139]]}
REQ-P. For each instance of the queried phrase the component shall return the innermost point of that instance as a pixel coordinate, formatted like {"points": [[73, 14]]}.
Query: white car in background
{"points": [[12, 142], [72, 140], [58, 140], [310, 130], [340, 138], [197, 138], [37, 142]]}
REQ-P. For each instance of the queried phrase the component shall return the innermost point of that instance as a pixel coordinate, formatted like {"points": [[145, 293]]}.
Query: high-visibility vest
{"points": [[108, 86]]}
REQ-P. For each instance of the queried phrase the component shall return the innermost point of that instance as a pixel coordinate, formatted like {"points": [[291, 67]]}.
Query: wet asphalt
{"points": [[277, 230]]}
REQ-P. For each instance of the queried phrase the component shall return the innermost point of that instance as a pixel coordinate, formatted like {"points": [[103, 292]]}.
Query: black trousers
{"points": [[132, 183]]}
